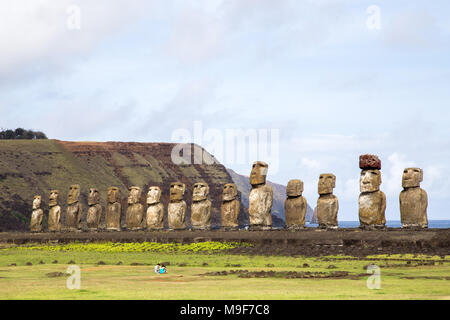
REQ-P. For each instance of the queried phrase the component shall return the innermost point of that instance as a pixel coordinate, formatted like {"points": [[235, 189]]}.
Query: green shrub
{"points": [[113, 247]]}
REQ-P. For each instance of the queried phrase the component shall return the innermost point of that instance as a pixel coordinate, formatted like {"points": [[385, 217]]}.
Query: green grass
{"points": [[126, 281]]}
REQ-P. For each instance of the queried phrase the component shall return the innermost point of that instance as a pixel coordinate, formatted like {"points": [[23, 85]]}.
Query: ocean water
{"points": [[432, 224]]}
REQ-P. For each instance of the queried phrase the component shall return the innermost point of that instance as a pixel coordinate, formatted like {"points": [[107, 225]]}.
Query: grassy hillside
{"points": [[30, 167]]}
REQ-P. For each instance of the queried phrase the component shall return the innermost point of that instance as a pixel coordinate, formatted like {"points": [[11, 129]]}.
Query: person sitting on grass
{"points": [[162, 269], [157, 268]]}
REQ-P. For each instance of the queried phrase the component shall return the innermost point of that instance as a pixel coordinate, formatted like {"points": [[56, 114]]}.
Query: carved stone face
{"points": [[370, 180], [113, 194], [294, 188], [74, 193], [37, 202], [200, 191], [54, 198], [135, 195], [412, 177], [259, 173], [327, 182], [153, 195], [177, 190], [229, 192], [94, 196]]}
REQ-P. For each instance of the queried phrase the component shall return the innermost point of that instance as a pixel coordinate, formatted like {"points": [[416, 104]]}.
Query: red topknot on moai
{"points": [[372, 201], [369, 162]]}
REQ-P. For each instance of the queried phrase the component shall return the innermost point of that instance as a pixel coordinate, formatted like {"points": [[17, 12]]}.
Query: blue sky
{"points": [[335, 89]]}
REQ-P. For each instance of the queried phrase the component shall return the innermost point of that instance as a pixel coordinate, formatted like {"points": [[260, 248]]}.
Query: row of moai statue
{"points": [[135, 217], [372, 201], [372, 204]]}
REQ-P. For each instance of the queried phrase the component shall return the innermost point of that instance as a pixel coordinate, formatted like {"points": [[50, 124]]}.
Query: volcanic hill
{"points": [[31, 167]]}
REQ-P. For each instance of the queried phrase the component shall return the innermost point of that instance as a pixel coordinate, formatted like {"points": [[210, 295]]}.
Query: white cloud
{"points": [[411, 29], [392, 174], [436, 181], [336, 142], [349, 190], [34, 35], [310, 163], [196, 36]]}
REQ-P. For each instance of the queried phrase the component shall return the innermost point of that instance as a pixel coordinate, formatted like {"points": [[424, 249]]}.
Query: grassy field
{"points": [[111, 274]]}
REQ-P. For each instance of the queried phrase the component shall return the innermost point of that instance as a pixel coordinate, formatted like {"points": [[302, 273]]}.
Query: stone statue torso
{"points": [[295, 211], [36, 220], [135, 216], [372, 206], [260, 200], [413, 207], [113, 216], [94, 216], [201, 214], [230, 213], [54, 219], [73, 216], [177, 215], [327, 210], [155, 215]]}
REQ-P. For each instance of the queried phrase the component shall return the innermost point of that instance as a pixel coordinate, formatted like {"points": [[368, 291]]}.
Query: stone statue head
{"points": [[74, 193], [54, 198], [37, 202], [412, 177], [135, 195], [153, 195], [327, 182], [200, 192], [177, 190], [113, 194], [294, 188], [259, 173], [94, 196], [370, 180], [230, 192]]}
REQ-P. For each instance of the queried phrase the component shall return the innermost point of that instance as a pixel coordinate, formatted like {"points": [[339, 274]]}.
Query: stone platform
{"points": [[310, 241]]}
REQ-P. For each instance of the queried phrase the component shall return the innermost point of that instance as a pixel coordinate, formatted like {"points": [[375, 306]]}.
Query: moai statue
{"points": [[327, 204], [113, 210], [201, 207], [155, 210], [260, 198], [176, 211], [295, 205], [413, 200], [54, 214], [372, 201], [229, 210], [134, 218], [95, 211], [74, 209], [37, 215]]}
